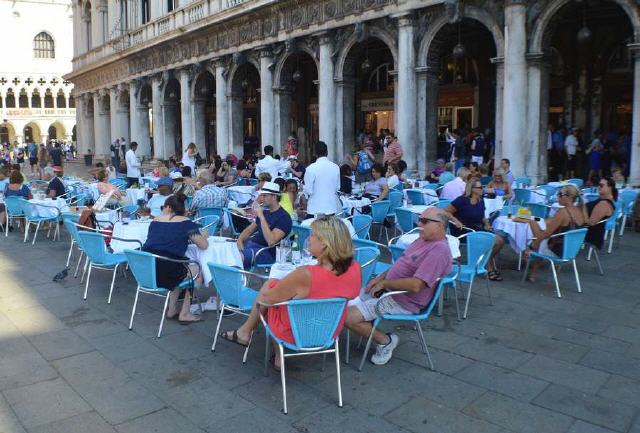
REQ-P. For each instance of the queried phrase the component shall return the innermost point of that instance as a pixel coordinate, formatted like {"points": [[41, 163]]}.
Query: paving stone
{"points": [[34, 320], [443, 361], [60, 344], [422, 415], [163, 421], [83, 423], [584, 427], [564, 373], [8, 421], [597, 410], [612, 363], [621, 389], [333, 419], [186, 344], [546, 346], [255, 420], [21, 364], [45, 402], [517, 416], [507, 382], [491, 353], [91, 323], [124, 345]]}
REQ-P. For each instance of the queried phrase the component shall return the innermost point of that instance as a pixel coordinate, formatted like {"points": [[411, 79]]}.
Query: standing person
{"points": [[505, 165], [477, 147], [291, 148], [33, 157], [571, 148], [133, 165], [595, 158], [43, 157], [115, 153], [268, 164], [189, 157], [363, 160], [321, 183], [123, 147], [56, 155], [392, 152]]}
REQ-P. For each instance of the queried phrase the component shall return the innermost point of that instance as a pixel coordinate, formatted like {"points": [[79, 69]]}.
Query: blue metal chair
{"points": [[573, 240], [301, 233], [70, 220], [611, 224], [416, 318], [13, 206], [143, 268], [538, 210], [361, 224], [209, 222], [405, 219], [315, 326], [366, 258], [204, 211], [98, 257], [233, 295], [577, 182], [522, 182], [550, 192], [627, 199], [379, 212], [443, 203], [379, 267], [416, 197], [479, 246], [32, 219], [485, 180], [232, 226], [431, 186], [593, 250], [253, 182], [591, 196], [398, 187], [522, 195]]}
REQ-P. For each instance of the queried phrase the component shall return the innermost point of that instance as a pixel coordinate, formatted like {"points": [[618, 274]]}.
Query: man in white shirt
{"points": [[270, 165], [571, 146], [133, 165], [455, 188], [321, 184]]}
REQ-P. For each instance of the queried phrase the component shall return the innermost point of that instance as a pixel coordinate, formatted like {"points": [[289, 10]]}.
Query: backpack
{"points": [[364, 162], [199, 161]]}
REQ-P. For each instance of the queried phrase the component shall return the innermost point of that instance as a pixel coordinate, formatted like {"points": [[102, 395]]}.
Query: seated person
{"points": [[297, 169], [346, 181], [285, 199], [392, 175], [209, 195], [262, 178], [298, 199], [417, 271], [271, 225], [434, 177], [165, 189], [601, 209], [377, 188], [337, 274], [104, 187], [468, 209], [499, 185], [226, 174], [56, 186], [16, 186], [244, 173], [169, 236], [454, 189], [447, 175], [572, 215]]}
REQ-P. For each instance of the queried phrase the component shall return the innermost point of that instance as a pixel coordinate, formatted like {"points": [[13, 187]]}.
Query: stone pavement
{"points": [[529, 363]]}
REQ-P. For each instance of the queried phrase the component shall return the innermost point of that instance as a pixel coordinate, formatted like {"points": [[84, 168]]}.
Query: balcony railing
{"points": [[7, 113]]}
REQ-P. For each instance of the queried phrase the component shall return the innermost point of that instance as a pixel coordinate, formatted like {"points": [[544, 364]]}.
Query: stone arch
{"points": [[469, 12], [10, 131], [541, 26], [36, 132], [282, 61], [205, 76], [234, 69], [372, 32]]}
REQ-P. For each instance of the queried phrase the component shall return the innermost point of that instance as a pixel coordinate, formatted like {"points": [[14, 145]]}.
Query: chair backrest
{"points": [[359, 243], [485, 180], [361, 224], [573, 240], [443, 203], [479, 245], [522, 195], [94, 246], [395, 200], [577, 182], [379, 210], [396, 252], [613, 219], [210, 222], [204, 211], [591, 196], [366, 258], [424, 314], [398, 187], [27, 209], [70, 220], [232, 225], [404, 218], [415, 197], [537, 209], [228, 282], [314, 322], [627, 198], [143, 267], [13, 205], [301, 233], [549, 190], [431, 186], [522, 181]]}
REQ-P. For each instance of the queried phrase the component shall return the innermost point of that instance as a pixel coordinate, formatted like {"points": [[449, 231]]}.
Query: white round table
{"points": [[454, 244], [240, 194], [281, 270], [48, 207], [220, 250], [520, 233], [352, 231], [107, 217], [135, 194], [135, 230], [353, 203]]}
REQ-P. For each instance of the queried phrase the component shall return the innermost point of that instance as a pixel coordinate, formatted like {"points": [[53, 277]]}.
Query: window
{"points": [[43, 46], [146, 13]]}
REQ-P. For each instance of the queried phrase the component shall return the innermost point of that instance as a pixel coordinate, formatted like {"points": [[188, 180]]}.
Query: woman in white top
{"points": [[189, 157], [392, 175]]}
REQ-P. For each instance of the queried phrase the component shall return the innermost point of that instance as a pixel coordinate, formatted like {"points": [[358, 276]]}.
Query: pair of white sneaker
{"points": [[385, 351]]}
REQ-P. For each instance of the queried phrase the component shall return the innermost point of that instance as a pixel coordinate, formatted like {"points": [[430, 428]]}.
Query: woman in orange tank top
{"points": [[337, 274]]}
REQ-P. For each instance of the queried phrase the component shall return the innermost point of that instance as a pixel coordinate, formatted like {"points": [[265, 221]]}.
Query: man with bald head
{"points": [[417, 272]]}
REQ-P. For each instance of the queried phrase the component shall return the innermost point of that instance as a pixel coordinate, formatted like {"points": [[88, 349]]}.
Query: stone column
{"points": [[283, 115], [345, 116], [170, 123], [200, 125], [139, 120], [634, 172], [186, 116], [267, 136], [223, 143], [29, 95], [157, 85], [406, 96], [515, 86], [537, 120], [101, 122], [499, 62], [427, 122], [236, 120], [327, 97], [119, 115]]}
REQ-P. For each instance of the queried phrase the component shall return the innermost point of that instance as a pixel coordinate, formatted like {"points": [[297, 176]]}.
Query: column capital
{"points": [[324, 38], [264, 51], [497, 61], [220, 62], [405, 19], [102, 92], [538, 59], [428, 70], [508, 3], [634, 48]]}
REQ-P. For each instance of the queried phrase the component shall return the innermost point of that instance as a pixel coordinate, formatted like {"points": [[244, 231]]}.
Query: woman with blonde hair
{"points": [[189, 157], [572, 215], [337, 274], [499, 185]]}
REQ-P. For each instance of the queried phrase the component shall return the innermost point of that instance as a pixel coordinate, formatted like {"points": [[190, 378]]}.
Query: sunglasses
{"points": [[563, 194], [426, 221], [476, 187]]}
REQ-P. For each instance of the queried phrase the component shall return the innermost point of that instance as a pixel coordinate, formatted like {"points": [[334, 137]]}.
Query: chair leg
{"points": [[70, 251], [324, 362], [597, 256], [555, 278], [466, 304], [215, 335], [267, 353], [246, 350], [75, 275], [86, 285], [368, 346], [519, 261], [283, 379], [113, 280], [27, 226], [613, 233], [133, 310], [575, 271], [164, 313], [338, 373], [589, 253], [347, 349], [35, 235], [526, 271], [84, 270], [489, 290], [624, 223], [425, 349], [455, 293]]}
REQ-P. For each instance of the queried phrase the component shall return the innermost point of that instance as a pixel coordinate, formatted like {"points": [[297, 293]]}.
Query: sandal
{"points": [[495, 276], [234, 338], [189, 322]]}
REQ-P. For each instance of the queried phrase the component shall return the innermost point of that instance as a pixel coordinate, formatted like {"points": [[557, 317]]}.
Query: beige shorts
{"points": [[367, 307]]}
